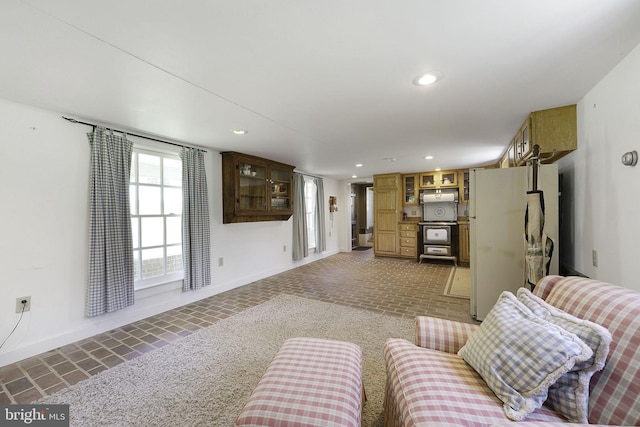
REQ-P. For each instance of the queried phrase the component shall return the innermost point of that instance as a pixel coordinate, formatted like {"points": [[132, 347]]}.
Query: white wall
{"points": [[43, 237], [44, 199], [602, 197]]}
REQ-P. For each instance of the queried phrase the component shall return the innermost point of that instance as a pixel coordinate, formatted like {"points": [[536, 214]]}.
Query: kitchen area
{"points": [[470, 219], [475, 217], [432, 205]]}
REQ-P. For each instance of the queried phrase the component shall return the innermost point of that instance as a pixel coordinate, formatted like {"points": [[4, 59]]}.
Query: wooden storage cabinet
{"points": [[408, 242], [387, 207], [524, 136], [439, 179], [281, 189], [255, 189], [511, 155], [463, 180], [464, 255], [553, 130], [410, 190]]}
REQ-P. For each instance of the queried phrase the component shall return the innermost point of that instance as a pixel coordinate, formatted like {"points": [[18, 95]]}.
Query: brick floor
{"points": [[397, 287]]}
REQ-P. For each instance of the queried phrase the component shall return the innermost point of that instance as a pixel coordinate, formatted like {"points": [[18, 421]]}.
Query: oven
{"points": [[439, 227], [436, 238]]}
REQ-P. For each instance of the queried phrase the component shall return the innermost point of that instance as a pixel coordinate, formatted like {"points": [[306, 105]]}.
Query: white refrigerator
{"points": [[497, 204]]}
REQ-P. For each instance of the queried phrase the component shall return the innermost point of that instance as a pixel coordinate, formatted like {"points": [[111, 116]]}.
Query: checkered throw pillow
{"points": [[570, 394], [520, 355]]}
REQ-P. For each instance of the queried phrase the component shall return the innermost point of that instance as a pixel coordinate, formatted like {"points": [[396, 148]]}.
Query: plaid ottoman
{"points": [[310, 382]]}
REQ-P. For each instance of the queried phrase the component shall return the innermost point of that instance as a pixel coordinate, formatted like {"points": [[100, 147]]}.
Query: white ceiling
{"points": [[322, 84]]}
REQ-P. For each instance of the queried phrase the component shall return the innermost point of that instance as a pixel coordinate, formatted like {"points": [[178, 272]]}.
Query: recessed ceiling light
{"points": [[240, 131], [428, 78], [428, 157], [438, 169], [359, 165], [354, 176]]}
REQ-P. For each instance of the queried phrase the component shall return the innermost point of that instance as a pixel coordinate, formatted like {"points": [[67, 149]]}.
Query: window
{"points": [[155, 194], [310, 203]]}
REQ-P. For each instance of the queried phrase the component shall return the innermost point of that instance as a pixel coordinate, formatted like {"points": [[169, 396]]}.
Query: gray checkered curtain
{"points": [[321, 240], [300, 246], [196, 246], [110, 246]]}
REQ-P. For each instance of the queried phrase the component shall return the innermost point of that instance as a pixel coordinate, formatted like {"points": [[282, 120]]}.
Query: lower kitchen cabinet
{"points": [[464, 256], [408, 240]]}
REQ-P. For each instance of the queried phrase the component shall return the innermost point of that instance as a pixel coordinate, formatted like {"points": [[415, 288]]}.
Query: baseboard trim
{"points": [[145, 307]]}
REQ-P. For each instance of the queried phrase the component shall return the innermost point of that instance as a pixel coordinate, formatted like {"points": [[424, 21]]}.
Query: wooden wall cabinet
{"points": [[387, 207], [255, 189], [553, 130], [463, 182], [411, 196], [438, 179], [504, 161]]}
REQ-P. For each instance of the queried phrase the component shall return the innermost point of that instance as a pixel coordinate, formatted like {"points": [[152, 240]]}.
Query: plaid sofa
{"points": [[429, 384]]}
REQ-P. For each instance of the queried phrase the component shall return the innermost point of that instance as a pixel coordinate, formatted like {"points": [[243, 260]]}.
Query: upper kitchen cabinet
{"points": [[553, 130], [505, 161], [255, 189], [463, 179], [439, 179], [410, 190]]}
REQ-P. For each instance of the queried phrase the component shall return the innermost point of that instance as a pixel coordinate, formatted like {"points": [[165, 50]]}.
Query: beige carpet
{"points": [[205, 378], [459, 283]]}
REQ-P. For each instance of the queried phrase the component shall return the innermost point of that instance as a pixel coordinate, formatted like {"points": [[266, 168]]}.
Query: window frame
{"points": [[310, 211], [141, 283]]}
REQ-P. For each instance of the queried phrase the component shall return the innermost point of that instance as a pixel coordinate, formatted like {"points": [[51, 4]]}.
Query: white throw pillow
{"points": [[520, 355], [570, 394]]}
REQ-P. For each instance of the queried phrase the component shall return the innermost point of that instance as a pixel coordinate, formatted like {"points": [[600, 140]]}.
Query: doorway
{"points": [[361, 216]]}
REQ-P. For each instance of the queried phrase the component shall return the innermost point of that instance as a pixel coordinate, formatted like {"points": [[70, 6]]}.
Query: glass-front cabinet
{"points": [[280, 189], [511, 154], [439, 179], [252, 189], [410, 190], [463, 179], [522, 143], [255, 189]]}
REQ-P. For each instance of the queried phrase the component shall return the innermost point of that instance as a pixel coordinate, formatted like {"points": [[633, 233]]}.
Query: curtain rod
{"points": [[308, 174], [132, 134]]}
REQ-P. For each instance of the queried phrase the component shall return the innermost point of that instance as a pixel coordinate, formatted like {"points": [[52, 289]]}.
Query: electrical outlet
{"points": [[220, 262], [594, 257], [23, 302]]}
